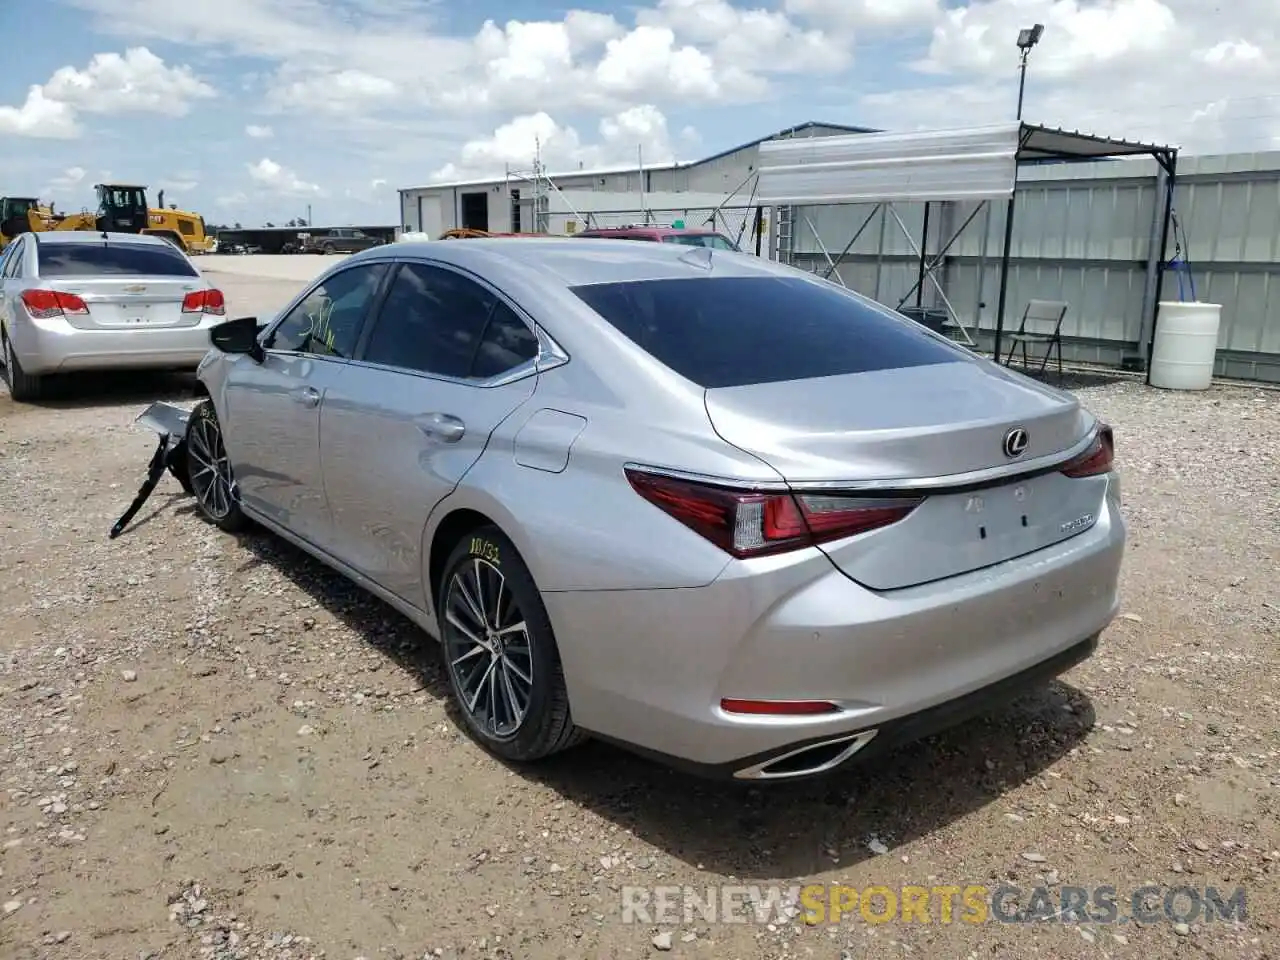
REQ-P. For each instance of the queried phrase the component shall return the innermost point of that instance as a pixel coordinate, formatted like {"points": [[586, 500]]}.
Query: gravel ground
{"points": [[211, 747]]}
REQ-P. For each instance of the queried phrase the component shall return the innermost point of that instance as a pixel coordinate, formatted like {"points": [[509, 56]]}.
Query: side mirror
{"points": [[238, 336]]}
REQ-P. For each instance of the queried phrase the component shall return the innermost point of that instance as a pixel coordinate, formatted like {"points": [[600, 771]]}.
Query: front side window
{"points": [[439, 322], [327, 321]]}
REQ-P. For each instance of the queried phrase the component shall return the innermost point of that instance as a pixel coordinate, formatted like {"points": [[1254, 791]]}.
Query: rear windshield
{"points": [[121, 259], [735, 331]]}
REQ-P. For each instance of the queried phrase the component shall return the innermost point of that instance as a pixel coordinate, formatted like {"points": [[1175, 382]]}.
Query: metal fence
{"points": [[1086, 234]]}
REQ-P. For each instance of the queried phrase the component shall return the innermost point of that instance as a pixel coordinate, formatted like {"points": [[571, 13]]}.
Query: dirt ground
{"points": [[211, 747]]}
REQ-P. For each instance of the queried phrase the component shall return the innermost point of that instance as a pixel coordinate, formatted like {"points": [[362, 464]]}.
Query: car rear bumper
{"points": [[54, 346], [649, 668]]}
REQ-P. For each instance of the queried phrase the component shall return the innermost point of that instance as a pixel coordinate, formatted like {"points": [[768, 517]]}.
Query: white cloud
{"points": [[280, 180], [137, 82], [638, 132], [740, 38], [259, 132], [361, 56], [1170, 71], [40, 117], [178, 184], [337, 93], [870, 14], [71, 183], [1079, 35]]}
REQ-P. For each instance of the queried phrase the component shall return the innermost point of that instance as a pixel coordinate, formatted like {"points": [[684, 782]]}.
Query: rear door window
{"points": [[436, 321], [735, 331], [111, 259]]}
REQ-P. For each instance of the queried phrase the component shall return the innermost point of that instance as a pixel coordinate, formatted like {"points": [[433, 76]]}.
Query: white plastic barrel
{"points": [[1185, 346]]}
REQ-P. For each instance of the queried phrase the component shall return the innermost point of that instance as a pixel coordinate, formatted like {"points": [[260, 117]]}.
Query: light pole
{"points": [[1027, 39]]}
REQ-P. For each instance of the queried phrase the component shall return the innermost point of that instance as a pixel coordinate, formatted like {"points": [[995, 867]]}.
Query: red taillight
{"points": [[47, 304], [752, 523], [778, 708], [205, 301], [1098, 459]]}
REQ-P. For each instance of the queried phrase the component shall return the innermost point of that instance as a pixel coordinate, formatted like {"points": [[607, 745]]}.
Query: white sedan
{"points": [[78, 300]]}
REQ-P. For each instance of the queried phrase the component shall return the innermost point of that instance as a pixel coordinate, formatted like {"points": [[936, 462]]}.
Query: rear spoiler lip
{"points": [[961, 482], [908, 488]]}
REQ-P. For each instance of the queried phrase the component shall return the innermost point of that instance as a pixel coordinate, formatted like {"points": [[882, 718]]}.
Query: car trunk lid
{"points": [[116, 303], [935, 432]]}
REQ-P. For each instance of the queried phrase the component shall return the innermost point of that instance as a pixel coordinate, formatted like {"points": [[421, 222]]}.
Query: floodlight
{"points": [[1029, 37]]}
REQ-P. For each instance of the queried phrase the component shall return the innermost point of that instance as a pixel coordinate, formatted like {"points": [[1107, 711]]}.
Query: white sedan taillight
{"points": [[210, 302], [47, 304]]}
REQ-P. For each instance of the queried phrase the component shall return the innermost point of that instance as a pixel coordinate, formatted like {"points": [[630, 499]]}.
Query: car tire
{"points": [[209, 471], [513, 702], [180, 467], [23, 387], [327, 249]]}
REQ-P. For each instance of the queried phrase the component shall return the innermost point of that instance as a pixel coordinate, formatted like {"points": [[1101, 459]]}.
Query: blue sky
{"points": [[249, 110]]}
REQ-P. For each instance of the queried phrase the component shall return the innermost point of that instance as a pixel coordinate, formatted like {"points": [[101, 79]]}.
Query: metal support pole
{"points": [[1022, 80], [924, 247], [1155, 253], [854, 239], [1004, 270], [1172, 170], [884, 224], [982, 266], [759, 227], [940, 256]]}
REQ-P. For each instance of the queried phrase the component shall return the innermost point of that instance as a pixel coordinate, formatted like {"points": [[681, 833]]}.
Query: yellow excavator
{"points": [[122, 208], [22, 215]]}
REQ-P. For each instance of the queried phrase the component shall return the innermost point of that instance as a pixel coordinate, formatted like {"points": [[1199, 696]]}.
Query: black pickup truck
{"points": [[337, 240]]}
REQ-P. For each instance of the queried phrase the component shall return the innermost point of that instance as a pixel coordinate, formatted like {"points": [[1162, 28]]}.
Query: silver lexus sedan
{"points": [[689, 501], [79, 300]]}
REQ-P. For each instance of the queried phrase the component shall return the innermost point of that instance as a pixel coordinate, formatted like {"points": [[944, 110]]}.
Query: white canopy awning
{"points": [[978, 163]]}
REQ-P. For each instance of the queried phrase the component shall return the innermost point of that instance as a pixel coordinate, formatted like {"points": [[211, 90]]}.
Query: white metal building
{"points": [[537, 201]]}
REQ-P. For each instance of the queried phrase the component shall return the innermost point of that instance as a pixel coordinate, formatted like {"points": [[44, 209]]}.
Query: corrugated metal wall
{"points": [[1084, 233]]}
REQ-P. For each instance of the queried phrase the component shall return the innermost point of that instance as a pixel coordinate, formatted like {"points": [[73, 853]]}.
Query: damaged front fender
{"points": [[170, 422]]}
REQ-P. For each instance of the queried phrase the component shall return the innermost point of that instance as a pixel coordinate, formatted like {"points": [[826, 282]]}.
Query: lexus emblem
{"points": [[1015, 442]]}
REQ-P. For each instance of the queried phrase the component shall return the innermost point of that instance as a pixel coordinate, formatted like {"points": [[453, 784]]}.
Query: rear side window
{"points": [[507, 343], [119, 259], [735, 331]]}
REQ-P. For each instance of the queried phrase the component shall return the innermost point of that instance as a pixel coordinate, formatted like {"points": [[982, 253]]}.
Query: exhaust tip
{"points": [[808, 761]]}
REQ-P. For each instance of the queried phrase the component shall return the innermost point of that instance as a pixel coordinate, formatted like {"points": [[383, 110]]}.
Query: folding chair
{"points": [[1042, 324]]}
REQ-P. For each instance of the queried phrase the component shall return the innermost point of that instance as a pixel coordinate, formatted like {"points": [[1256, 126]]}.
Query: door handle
{"points": [[307, 396], [442, 426]]}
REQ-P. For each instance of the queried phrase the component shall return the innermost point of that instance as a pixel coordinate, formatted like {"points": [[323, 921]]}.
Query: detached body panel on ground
{"points": [[688, 500]]}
